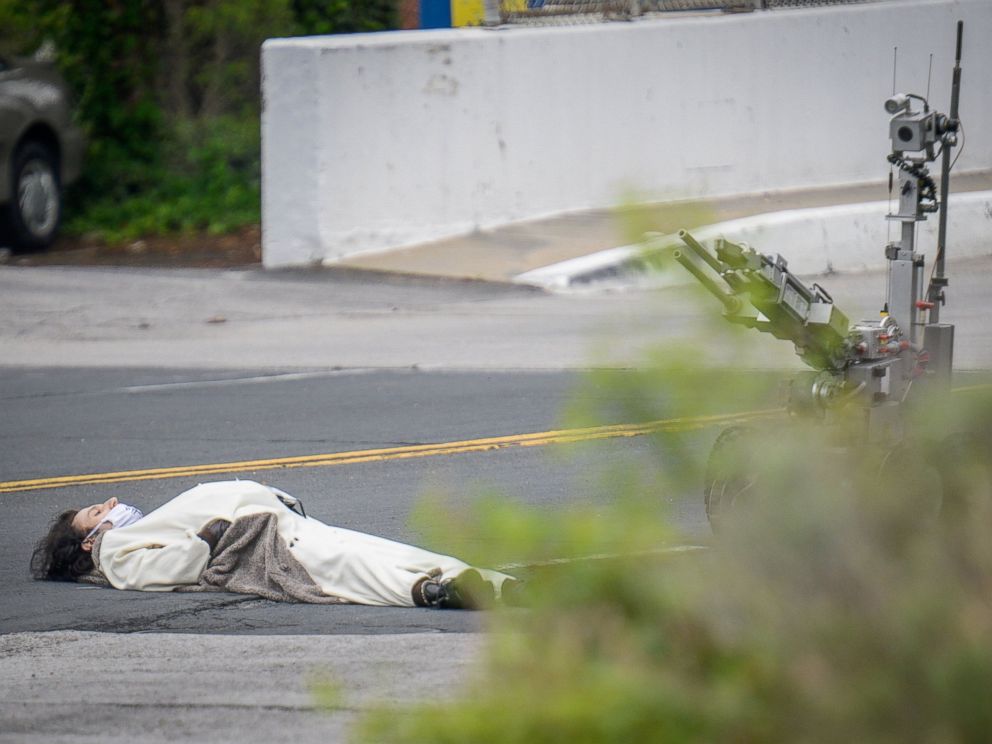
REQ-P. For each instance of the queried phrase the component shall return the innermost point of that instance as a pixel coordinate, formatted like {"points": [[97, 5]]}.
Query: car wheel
{"points": [[35, 209]]}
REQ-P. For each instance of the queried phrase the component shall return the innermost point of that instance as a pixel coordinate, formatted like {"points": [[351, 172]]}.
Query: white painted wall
{"points": [[382, 140]]}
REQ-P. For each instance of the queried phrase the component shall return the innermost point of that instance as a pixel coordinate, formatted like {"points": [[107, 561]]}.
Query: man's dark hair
{"points": [[59, 555]]}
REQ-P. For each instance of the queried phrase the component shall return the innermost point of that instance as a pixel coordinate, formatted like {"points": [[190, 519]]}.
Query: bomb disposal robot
{"points": [[866, 372]]}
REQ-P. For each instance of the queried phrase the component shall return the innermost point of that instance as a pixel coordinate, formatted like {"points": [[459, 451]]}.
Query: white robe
{"points": [[161, 551]]}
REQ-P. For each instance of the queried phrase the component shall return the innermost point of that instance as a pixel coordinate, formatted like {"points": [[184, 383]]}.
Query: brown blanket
{"points": [[251, 558]]}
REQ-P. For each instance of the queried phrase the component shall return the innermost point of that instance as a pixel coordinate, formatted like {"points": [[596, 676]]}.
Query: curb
{"points": [[817, 240]]}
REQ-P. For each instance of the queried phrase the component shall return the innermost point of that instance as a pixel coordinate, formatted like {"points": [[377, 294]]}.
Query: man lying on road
{"points": [[244, 537]]}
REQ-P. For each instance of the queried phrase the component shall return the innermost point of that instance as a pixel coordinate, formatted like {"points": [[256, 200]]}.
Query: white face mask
{"points": [[120, 516]]}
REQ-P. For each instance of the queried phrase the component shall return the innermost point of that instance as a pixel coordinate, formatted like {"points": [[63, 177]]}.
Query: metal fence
{"points": [[542, 12]]}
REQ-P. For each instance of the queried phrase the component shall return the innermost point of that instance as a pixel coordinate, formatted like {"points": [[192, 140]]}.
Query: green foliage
{"points": [[208, 180], [343, 16], [168, 95], [834, 606], [20, 34], [107, 53], [215, 46]]}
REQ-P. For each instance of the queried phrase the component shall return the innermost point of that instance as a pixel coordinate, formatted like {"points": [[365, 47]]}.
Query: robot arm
{"points": [[758, 291]]}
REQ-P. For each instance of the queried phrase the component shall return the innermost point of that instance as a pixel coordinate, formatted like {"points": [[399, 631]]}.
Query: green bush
{"points": [[343, 16], [209, 181], [836, 606], [168, 95]]}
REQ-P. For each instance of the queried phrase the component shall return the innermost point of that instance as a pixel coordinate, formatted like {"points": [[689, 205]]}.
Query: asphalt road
{"points": [[109, 369], [122, 370], [85, 663], [112, 370], [65, 422]]}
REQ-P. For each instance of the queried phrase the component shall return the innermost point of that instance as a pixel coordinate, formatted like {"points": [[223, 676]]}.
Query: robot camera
{"points": [[897, 103], [912, 132]]}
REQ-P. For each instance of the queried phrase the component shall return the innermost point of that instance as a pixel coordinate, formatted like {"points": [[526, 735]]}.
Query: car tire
{"points": [[35, 209]]}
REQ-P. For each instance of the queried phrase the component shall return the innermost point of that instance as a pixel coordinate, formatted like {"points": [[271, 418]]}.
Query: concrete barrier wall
{"points": [[384, 140]]}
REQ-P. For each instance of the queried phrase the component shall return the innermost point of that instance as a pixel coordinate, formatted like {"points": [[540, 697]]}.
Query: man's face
{"points": [[90, 516]]}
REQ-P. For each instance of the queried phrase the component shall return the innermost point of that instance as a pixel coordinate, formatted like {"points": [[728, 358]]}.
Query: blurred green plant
{"points": [[168, 95], [829, 611], [209, 181], [832, 608], [344, 16]]}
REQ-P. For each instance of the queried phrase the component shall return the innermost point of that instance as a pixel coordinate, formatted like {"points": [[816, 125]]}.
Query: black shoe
{"points": [[428, 593]]}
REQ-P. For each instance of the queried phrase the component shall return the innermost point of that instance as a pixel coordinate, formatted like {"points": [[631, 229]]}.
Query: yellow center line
{"points": [[534, 439]]}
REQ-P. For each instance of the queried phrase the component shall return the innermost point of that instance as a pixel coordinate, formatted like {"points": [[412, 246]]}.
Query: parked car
{"points": [[41, 151]]}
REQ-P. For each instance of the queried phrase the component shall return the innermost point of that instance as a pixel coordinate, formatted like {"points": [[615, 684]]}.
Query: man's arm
{"points": [[156, 568], [213, 532]]}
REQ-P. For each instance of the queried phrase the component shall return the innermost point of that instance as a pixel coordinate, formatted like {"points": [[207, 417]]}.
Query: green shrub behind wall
{"points": [[168, 95]]}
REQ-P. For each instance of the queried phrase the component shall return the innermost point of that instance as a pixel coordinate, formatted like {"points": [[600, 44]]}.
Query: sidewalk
{"points": [[588, 240], [159, 688], [503, 254]]}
